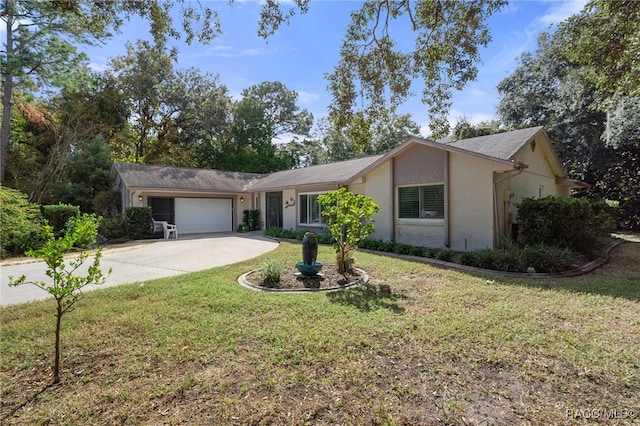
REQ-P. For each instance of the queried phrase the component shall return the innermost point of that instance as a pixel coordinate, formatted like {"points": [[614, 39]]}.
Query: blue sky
{"points": [[300, 54]]}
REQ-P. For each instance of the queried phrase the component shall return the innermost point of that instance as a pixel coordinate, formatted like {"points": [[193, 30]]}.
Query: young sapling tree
{"points": [[65, 283]]}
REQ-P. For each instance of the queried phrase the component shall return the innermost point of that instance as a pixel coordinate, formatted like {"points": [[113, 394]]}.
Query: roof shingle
{"points": [[502, 146], [162, 177]]}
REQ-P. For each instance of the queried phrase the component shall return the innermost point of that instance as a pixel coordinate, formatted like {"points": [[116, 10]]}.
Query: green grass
{"points": [[417, 345]]}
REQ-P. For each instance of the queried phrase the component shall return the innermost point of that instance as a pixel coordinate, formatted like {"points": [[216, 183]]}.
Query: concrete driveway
{"points": [[144, 260]]}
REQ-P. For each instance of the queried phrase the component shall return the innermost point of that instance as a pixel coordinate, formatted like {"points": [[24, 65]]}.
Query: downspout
{"points": [[447, 227], [393, 198], [496, 219]]}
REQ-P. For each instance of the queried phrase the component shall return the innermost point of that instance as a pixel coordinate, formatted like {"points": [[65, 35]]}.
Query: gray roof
{"points": [[338, 172], [163, 177], [502, 146]]}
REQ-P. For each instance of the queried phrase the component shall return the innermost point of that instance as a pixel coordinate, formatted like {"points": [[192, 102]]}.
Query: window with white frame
{"points": [[310, 209], [421, 202]]}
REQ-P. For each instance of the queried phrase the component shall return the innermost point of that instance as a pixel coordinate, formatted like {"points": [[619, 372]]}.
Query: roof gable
{"points": [[502, 146]]}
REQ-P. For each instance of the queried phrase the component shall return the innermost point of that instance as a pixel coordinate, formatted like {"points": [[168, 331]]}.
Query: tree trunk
{"points": [[7, 92], [56, 363]]}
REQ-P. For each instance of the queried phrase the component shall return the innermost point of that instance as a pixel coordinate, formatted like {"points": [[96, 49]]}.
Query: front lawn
{"points": [[417, 345]]}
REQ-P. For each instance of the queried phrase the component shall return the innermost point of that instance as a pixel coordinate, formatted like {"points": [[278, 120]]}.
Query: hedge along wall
{"points": [[561, 222], [138, 222]]}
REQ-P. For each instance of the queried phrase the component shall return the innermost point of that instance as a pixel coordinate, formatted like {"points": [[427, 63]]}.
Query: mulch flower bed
{"points": [[291, 279]]}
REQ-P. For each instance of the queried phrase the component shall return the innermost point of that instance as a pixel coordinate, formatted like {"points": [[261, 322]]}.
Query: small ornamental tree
{"points": [[66, 283], [349, 220]]}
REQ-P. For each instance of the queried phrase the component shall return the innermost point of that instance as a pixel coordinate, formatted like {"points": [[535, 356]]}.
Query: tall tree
{"points": [[85, 174], [604, 38], [548, 89], [77, 118], [465, 129], [144, 75], [375, 71], [41, 39], [174, 112], [266, 112], [281, 114]]}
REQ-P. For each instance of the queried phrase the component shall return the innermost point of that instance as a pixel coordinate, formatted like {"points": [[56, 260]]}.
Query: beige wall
{"points": [[537, 180], [377, 186], [289, 214], [418, 165], [470, 203]]}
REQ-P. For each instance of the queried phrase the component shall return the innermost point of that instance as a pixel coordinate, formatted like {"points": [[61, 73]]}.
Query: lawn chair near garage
{"points": [[166, 228]]}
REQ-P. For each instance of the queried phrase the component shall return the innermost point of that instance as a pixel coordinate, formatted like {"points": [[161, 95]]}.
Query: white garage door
{"points": [[198, 215]]}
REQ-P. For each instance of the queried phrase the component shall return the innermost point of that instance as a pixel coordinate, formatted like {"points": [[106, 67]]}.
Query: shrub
{"points": [[484, 258], [57, 216], [138, 222], [113, 228], [271, 272], [107, 203], [84, 228], [508, 260], [20, 223], [444, 255], [630, 213], [544, 258], [251, 218], [562, 222]]}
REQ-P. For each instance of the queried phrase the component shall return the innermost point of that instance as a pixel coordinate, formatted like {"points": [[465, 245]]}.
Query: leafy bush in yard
{"points": [[84, 228], [113, 228], [349, 220], [20, 223], [561, 222], [57, 216], [510, 259], [138, 222], [444, 255]]}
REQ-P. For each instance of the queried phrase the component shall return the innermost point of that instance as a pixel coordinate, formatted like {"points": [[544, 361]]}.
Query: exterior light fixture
{"points": [[242, 199], [140, 197]]}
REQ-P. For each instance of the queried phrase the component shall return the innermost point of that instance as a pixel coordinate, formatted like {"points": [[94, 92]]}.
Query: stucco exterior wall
{"points": [[377, 185], [289, 216], [539, 179], [418, 165], [470, 203]]}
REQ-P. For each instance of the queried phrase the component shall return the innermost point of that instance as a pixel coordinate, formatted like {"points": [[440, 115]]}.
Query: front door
{"points": [[274, 209]]}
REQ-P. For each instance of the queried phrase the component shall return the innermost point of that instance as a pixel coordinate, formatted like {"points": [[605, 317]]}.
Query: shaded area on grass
{"points": [[369, 297]]}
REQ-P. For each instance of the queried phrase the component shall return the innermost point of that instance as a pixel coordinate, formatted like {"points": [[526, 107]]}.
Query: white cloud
{"points": [[98, 67], [307, 97], [243, 52], [559, 11]]}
